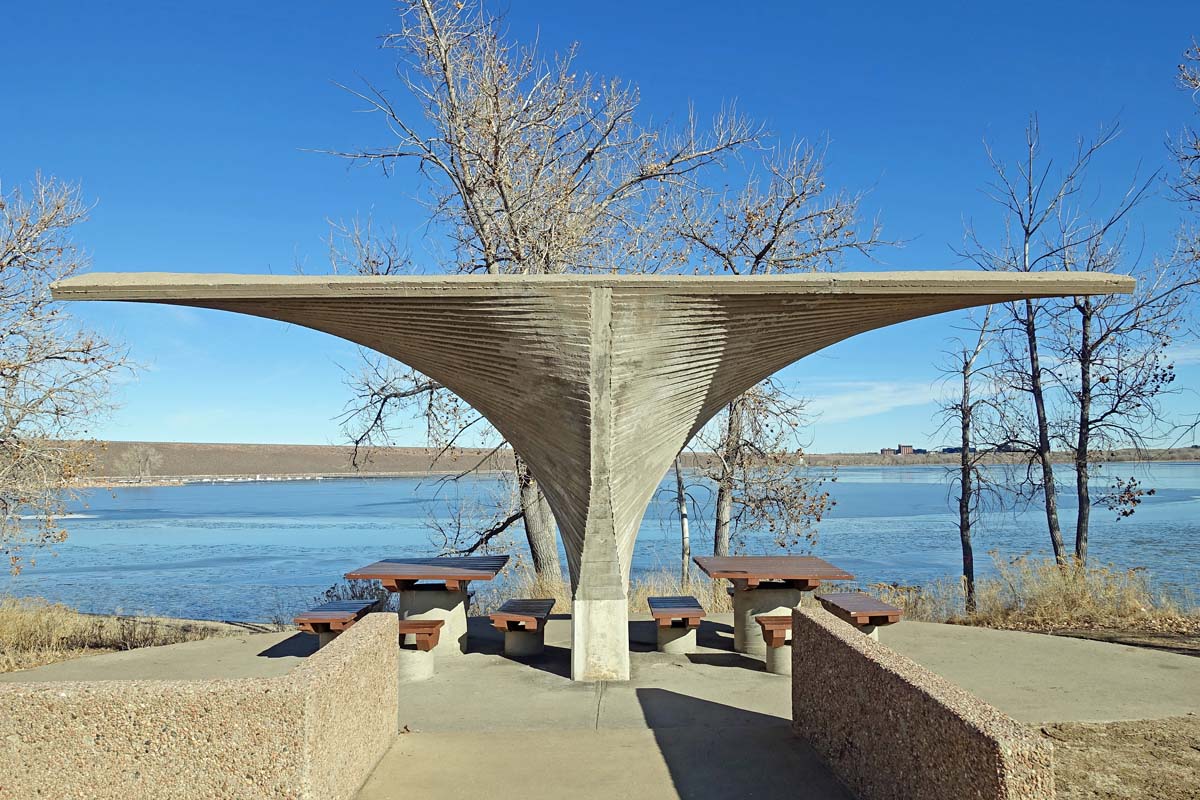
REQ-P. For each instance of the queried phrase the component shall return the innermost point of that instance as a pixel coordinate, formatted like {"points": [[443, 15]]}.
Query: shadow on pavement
{"points": [[483, 638], [714, 750], [302, 645]]}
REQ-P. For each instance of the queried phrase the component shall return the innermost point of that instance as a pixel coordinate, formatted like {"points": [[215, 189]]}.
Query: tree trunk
{"points": [[1050, 491], [967, 490], [539, 525], [731, 448], [685, 553], [1082, 454]]}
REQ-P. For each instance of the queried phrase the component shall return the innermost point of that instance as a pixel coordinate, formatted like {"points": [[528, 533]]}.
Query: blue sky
{"points": [[192, 125]]}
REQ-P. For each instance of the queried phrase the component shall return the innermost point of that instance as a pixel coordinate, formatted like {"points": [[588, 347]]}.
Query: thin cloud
{"points": [[846, 400]]}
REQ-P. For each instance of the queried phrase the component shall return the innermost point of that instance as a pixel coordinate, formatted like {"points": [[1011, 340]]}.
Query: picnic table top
{"points": [[335, 610], [771, 568], [455, 568], [675, 607], [859, 607]]}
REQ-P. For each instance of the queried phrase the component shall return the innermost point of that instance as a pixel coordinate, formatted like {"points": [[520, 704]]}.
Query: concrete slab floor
{"points": [[251, 655]]}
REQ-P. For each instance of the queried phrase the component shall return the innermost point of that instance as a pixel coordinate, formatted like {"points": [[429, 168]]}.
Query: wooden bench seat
{"points": [[524, 625], [677, 618], [676, 611], [425, 632], [861, 610], [776, 628], [329, 619], [528, 615], [777, 632]]}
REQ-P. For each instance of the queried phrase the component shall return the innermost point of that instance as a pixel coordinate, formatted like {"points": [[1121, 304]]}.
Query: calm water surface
{"points": [[251, 551]]}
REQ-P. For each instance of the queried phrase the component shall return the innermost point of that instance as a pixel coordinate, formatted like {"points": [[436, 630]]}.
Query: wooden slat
{"points": [[775, 628], [426, 632], [859, 608], [336, 615], [684, 608], [531, 614], [771, 568], [397, 573]]}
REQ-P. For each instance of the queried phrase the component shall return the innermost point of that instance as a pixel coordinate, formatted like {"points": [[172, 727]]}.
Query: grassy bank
{"points": [[35, 632]]}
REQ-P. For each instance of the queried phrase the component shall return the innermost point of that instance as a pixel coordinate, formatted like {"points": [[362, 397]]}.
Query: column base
{"points": [[600, 640], [870, 630]]}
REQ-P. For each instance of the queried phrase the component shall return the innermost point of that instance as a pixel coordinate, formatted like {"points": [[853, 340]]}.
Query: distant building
{"points": [[887, 451], [905, 449]]}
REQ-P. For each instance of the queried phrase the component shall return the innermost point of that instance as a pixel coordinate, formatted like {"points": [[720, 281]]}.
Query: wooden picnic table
{"points": [[434, 588], [749, 572], [399, 574], [766, 585]]}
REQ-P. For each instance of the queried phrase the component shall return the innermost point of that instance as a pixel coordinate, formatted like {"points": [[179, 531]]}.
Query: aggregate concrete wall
{"points": [[316, 732], [893, 730]]}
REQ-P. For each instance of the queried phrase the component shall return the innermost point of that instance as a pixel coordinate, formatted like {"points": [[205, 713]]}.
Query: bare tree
{"points": [[1040, 222], [531, 167], [54, 375], [972, 413], [1113, 366], [140, 461], [1186, 149], [785, 219]]}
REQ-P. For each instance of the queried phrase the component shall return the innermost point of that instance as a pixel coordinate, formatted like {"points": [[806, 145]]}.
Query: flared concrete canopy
{"points": [[596, 380]]}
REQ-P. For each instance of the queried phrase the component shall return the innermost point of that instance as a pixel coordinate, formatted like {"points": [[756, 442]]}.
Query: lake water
{"points": [[250, 551]]}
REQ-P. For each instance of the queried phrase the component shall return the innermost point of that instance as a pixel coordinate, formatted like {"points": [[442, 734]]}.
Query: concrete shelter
{"points": [[597, 381]]}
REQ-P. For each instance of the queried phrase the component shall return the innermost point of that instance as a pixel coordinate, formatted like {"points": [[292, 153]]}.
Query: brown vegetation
{"points": [[1039, 595], [1151, 758], [36, 632]]}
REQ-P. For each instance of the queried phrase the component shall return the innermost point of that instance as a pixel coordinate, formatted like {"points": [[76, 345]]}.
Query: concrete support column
{"points": [[325, 637], [870, 630], [600, 640], [676, 639], [435, 601], [750, 603]]}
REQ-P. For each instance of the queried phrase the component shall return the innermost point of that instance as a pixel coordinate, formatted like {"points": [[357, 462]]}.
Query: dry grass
{"points": [[35, 632], [1039, 595]]}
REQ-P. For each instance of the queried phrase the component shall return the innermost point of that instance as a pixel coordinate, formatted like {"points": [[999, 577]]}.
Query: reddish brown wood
{"points": [[859, 608], [517, 615], [775, 628], [400, 574], [684, 609], [335, 616], [425, 632], [749, 572]]}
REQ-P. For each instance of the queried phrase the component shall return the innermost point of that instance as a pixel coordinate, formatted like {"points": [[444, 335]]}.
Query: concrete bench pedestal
{"points": [[415, 665], [779, 659], [679, 639]]}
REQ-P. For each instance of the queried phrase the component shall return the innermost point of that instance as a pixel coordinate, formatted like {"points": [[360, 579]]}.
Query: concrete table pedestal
{"points": [[677, 639], [436, 601], [415, 665], [779, 659], [749, 603]]}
